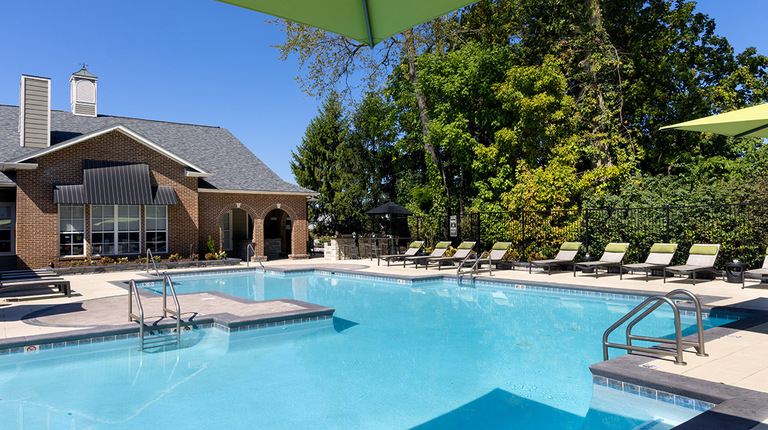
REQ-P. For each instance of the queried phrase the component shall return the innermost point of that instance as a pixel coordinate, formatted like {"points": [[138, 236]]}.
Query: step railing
{"points": [[655, 302], [151, 258], [473, 269], [248, 257], [133, 295]]}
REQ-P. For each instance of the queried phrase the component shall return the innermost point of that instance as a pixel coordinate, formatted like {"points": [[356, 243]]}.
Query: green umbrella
{"points": [[747, 122], [367, 21]]}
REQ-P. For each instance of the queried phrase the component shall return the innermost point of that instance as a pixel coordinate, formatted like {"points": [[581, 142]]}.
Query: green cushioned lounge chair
{"points": [[613, 256], [567, 253], [440, 249], [494, 256], [660, 257], [701, 258], [462, 252], [761, 273], [412, 250]]}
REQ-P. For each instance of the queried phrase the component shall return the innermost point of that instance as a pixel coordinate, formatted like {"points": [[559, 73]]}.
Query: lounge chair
{"points": [[494, 256], [761, 273], [41, 280], [567, 253], [701, 258], [412, 250], [613, 256], [440, 249], [464, 250], [660, 257]]}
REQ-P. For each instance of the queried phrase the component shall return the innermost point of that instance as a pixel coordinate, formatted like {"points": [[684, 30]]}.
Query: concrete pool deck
{"points": [[736, 359]]}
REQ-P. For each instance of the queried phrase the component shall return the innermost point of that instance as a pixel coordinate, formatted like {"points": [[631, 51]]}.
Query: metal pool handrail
{"points": [[150, 257], [133, 292], [473, 270], [248, 257], [678, 341], [699, 344]]}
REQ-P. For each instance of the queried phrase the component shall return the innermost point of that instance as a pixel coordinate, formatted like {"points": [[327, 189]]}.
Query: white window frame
{"points": [[11, 227], [226, 235], [73, 232], [147, 230], [93, 231], [116, 230]]}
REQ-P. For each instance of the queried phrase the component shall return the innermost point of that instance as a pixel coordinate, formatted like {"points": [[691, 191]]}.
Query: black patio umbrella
{"points": [[390, 209]]}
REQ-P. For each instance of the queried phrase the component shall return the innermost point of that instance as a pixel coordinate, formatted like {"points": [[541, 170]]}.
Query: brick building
{"points": [[77, 185]]}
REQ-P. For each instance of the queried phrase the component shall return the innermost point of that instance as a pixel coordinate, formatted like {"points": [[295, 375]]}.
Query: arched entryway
{"points": [[278, 228], [236, 232]]}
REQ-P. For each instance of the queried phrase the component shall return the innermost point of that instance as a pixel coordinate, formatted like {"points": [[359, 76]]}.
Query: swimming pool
{"points": [[395, 355]]}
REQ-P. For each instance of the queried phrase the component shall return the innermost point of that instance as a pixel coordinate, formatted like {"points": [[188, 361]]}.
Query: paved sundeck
{"points": [[736, 359]]}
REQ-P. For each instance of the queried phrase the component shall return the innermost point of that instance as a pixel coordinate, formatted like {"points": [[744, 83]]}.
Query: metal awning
{"points": [[114, 183]]}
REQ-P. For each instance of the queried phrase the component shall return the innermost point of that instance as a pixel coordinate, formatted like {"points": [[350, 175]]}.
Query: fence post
{"points": [[586, 228], [522, 238], [666, 240], [477, 226]]}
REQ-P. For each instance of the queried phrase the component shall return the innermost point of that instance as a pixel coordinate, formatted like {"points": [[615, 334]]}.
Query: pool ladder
{"points": [[472, 272], [157, 340], [656, 302]]}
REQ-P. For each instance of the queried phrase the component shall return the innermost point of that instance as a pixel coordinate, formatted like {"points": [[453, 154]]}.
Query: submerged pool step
{"points": [[655, 424]]}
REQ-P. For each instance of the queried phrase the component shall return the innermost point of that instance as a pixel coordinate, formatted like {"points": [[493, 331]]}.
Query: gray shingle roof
{"points": [[214, 149]]}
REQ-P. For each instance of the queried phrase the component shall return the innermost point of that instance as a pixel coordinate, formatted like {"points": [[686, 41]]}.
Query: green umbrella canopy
{"points": [[367, 21], [747, 122]]}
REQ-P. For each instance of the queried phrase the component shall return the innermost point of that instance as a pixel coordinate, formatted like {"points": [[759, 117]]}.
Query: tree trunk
{"points": [[595, 21], [421, 101]]}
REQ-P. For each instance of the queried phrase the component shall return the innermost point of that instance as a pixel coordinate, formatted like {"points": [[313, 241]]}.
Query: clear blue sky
{"points": [[204, 62]]}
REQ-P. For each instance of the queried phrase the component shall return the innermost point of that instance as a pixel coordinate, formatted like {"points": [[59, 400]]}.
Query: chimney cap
{"points": [[83, 73]]}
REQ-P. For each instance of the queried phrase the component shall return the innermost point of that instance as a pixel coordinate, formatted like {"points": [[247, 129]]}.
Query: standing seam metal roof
{"points": [[214, 149]]}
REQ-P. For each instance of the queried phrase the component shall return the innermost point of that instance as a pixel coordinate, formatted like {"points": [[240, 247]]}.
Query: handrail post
{"points": [[152, 258]]}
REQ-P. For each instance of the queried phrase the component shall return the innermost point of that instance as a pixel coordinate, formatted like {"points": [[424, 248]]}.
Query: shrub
{"points": [[211, 245], [107, 260], [174, 257], [156, 258], [141, 259], [76, 263], [122, 260], [210, 256], [195, 257]]}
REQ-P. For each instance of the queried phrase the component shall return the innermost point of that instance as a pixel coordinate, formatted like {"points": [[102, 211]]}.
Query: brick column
{"points": [[299, 239]]}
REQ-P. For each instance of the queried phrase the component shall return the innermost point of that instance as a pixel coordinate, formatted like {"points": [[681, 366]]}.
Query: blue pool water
{"points": [[395, 356]]}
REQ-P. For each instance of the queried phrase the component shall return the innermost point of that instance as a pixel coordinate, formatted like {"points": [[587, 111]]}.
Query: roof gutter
{"points": [[195, 174], [17, 166]]}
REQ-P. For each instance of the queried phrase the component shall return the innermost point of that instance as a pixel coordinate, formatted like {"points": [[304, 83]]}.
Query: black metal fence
{"points": [[741, 230]]}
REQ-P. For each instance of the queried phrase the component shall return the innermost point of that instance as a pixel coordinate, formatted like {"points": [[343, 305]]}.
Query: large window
{"points": [[115, 229], [71, 230], [102, 229], [156, 225]]}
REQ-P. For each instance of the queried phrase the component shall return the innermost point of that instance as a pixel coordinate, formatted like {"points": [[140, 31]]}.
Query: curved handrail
{"points": [[248, 257], [699, 344], [132, 291], [177, 313], [678, 354], [150, 257]]}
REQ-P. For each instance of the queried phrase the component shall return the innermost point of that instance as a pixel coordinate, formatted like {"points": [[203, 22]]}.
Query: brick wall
{"points": [[37, 240], [213, 205]]}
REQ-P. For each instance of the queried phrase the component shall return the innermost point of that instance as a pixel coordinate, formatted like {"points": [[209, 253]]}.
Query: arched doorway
{"points": [[236, 232], [278, 228]]}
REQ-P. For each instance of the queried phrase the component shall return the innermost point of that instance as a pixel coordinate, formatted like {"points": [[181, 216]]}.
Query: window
{"points": [[71, 230], [128, 230], [226, 231], [7, 226], [115, 229], [156, 225], [102, 230]]}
